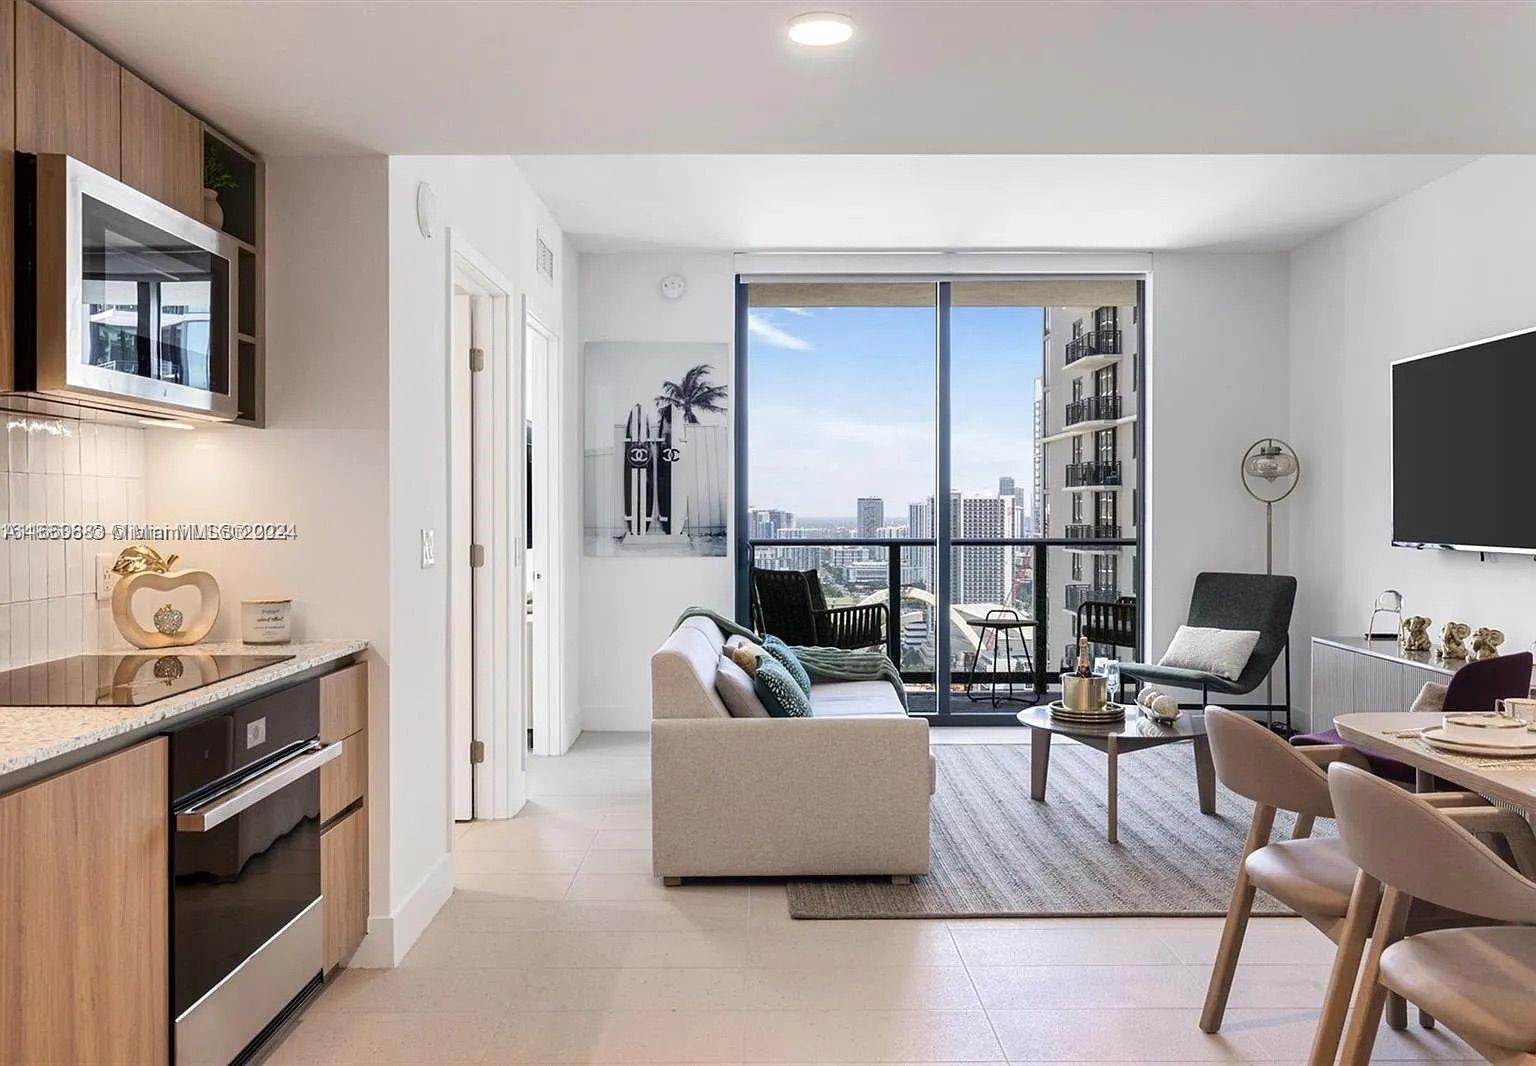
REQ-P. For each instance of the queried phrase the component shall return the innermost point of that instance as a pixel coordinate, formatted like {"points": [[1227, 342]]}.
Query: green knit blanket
{"points": [[823, 664]]}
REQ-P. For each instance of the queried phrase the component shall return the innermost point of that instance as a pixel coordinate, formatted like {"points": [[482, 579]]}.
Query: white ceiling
{"points": [[743, 202], [622, 76]]}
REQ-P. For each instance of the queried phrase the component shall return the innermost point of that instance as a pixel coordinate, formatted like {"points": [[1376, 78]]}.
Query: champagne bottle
{"points": [[1082, 658]]}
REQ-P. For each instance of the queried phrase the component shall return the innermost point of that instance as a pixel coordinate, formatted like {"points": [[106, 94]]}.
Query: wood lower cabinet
{"points": [[84, 937], [344, 880], [162, 147], [68, 93], [344, 785]]}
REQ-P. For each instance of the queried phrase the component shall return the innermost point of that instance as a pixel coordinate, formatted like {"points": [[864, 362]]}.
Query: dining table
{"points": [[1395, 735]]}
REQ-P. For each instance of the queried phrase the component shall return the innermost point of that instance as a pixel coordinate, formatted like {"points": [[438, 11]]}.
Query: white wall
{"points": [[628, 605], [1218, 367], [487, 202], [355, 452], [1218, 381], [1445, 264]]}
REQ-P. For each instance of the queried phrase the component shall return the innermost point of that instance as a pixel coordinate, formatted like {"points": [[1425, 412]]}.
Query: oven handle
{"points": [[218, 809]]}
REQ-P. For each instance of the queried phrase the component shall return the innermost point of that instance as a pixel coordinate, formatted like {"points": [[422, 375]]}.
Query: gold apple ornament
{"points": [[141, 567]]}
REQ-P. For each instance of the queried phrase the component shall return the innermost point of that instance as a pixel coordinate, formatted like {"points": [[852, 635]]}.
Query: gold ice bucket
{"points": [[1084, 693]]}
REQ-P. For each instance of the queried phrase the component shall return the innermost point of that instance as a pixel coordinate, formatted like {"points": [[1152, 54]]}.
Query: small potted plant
{"points": [[216, 176]]}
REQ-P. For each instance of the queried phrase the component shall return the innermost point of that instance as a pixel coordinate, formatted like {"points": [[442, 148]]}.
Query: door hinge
{"points": [[476, 360], [477, 751], [477, 555]]}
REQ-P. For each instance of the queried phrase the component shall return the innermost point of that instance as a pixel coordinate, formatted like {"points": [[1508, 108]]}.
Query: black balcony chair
{"points": [[1235, 601], [1112, 624], [790, 605]]}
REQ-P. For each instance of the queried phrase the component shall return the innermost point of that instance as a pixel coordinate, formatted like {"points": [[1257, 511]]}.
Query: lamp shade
{"points": [[1270, 470]]}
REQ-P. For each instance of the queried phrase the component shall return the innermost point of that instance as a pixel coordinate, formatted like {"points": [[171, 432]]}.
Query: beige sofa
{"points": [[845, 791]]}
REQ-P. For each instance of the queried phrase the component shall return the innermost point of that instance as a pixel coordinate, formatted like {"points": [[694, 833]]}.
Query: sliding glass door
{"points": [[926, 451]]}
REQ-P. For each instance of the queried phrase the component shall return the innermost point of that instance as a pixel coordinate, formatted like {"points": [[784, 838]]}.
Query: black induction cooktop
{"points": [[121, 679]]}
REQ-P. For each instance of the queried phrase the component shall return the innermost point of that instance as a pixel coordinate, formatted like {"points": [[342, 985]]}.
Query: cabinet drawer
{"points": [[344, 778], [343, 702], [344, 881]]}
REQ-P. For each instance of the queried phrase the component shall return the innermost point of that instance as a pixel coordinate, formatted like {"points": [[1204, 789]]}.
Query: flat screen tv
{"points": [[1462, 434]]}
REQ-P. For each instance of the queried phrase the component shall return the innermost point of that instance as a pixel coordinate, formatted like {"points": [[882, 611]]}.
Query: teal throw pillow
{"points": [[779, 693], [780, 651]]}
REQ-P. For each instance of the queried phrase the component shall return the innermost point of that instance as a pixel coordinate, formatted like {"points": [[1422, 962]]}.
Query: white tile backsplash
{"points": [[58, 470]]}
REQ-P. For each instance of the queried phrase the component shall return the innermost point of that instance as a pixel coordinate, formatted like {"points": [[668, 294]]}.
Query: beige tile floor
{"points": [[558, 946]]}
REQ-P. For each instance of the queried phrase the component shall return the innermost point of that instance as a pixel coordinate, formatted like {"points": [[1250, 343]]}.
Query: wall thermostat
{"points": [[673, 286]]}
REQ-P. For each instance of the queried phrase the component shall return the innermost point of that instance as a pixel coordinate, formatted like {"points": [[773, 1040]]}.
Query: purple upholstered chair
{"points": [[1472, 688]]}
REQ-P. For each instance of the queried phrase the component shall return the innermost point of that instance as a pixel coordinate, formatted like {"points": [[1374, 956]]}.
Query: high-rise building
{"points": [[871, 515], [1005, 486], [764, 523], [1087, 440], [1037, 516], [920, 518], [981, 573]]}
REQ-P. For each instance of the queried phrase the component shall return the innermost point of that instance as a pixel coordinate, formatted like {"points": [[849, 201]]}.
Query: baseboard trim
{"points": [[390, 936]]}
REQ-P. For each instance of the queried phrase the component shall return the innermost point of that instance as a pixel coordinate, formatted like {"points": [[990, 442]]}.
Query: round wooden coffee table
{"points": [[1135, 733]]}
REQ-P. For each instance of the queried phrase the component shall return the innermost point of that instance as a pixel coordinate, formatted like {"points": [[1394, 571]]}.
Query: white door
{"points": [[554, 728]]}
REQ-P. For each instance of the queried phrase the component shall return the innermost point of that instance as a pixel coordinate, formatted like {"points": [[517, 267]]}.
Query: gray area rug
{"points": [[998, 853]]}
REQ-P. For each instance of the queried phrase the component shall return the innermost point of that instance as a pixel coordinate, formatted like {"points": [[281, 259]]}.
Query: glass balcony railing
{"points": [[1094, 342], [1082, 475], [1104, 408]]}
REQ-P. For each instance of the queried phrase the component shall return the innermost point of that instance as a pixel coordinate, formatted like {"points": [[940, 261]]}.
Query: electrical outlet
{"points": [[106, 580], [428, 549]]}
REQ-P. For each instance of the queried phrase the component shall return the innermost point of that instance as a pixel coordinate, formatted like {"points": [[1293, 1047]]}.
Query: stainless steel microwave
{"points": [[122, 303]]}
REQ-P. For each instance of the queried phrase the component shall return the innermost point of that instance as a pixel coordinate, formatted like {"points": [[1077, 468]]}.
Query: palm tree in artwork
{"points": [[694, 394]]}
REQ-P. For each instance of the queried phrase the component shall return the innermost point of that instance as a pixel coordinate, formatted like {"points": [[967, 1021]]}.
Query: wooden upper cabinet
{"points": [[68, 94], [162, 147]]}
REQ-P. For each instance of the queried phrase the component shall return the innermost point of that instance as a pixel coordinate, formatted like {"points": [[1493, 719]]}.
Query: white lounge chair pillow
{"points": [[735, 689], [1223, 652]]}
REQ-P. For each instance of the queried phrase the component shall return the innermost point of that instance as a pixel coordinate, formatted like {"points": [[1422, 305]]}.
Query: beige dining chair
{"points": [[1314, 876], [1478, 980]]}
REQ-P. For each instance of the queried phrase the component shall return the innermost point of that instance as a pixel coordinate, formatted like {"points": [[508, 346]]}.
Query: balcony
{"points": [[1077, 595], [1094, 409], [1092, 475], [1094, 342], [936, 647], [1096, 531]]}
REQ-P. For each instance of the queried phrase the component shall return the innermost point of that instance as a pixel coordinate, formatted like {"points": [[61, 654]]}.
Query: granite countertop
{"points": [[32, 735]]}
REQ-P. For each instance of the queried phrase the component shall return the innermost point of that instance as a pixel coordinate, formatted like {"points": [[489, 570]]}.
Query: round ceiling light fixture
{"points": [[820, 29]]}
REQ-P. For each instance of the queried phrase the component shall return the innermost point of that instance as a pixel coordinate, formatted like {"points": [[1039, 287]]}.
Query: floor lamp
{"points": [[1271, 471]]}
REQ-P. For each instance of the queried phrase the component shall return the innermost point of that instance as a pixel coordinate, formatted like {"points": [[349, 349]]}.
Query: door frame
{"points": [[554, 726], [500, 788]]}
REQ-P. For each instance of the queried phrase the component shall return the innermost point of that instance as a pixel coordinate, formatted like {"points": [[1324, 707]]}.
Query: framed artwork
{"points": [[656, 449]]}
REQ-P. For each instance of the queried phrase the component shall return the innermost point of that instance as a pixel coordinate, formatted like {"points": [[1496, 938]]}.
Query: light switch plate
{"points": [[106, 580], [428, 549]]}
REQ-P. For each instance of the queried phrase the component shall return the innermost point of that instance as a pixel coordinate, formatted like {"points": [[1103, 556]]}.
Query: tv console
{"points": [[1356, 674]]}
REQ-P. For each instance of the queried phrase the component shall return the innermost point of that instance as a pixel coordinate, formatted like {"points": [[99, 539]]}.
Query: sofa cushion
{"points": [[744, 653], [1223, 652], [855, 699], [780, 693], [735, 687], [781, 651]]}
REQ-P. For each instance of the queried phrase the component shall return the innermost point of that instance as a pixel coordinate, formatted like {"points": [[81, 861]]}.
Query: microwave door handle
{"points": [[204, 816]]}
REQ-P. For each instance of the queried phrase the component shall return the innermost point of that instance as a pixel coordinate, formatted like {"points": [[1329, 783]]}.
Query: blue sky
{"points": [[842, 399]]}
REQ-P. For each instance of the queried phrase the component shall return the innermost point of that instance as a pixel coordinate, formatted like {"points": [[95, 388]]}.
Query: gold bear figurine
{"points": [[1415, 633], [1485, 642], [1451, 636]]}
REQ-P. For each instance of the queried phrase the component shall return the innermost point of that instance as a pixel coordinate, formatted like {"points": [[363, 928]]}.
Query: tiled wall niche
{"points": [[62, 470]]}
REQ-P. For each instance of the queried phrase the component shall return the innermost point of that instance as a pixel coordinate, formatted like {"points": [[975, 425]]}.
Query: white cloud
{"points": [[759, 326], [798, 312]]}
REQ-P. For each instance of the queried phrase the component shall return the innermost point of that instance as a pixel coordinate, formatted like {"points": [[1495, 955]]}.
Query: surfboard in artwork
{"points": [[639, 483]]}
